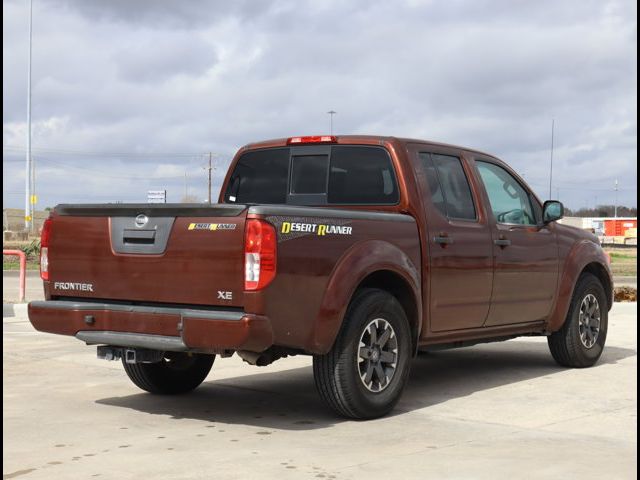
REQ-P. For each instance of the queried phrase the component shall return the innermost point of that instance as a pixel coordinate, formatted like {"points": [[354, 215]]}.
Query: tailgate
{"points": [[171, 254]]}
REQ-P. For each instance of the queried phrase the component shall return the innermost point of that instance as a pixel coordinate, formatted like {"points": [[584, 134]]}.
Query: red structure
{"points": [[617, 227]]}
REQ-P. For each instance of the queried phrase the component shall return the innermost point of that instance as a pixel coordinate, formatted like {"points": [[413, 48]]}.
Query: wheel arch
{"points": [[374, 264], [397, 286], [585, 256], [600, 272]]}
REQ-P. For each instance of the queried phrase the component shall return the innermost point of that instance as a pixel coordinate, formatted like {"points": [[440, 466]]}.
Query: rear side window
{"points": [[437, 198], [361, 175], [450, 191], [260, 177]]}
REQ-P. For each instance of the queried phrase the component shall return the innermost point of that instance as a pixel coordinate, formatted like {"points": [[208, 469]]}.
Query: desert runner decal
{"points": [[212, 226], [289, 228], [319, 229]]}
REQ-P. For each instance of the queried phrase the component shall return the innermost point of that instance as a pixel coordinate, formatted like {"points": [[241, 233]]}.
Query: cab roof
{"points": [[362, 140]]}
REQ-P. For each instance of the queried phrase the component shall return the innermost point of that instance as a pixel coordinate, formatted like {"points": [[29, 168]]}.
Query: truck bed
{"points": [[163, 269]]}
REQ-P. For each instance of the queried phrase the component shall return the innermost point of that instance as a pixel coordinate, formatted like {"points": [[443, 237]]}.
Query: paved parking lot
{"points": [[493, 411], [11, 286]]}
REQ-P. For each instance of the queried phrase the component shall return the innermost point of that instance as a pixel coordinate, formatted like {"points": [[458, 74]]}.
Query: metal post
{"points": [[186, 192], [34, 195], [27, 171], [615, 207], [331, 114], [210, 154], [553, 121]]}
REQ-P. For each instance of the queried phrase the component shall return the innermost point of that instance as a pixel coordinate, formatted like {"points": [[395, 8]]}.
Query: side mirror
{"points": [[551, 211]]}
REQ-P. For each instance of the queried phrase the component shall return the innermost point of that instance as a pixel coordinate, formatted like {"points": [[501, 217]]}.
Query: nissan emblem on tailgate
{"points": [[141, 220]]}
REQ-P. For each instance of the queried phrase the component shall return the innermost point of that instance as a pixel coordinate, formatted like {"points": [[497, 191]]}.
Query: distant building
{"points": [[609, 229]]}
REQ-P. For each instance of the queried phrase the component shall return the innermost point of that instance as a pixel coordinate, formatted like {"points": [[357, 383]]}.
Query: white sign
{"points": [[157, 196]]}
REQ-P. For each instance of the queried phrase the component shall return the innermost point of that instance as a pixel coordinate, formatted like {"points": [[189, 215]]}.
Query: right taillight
{"points": [[259, 254], [44, 249]]}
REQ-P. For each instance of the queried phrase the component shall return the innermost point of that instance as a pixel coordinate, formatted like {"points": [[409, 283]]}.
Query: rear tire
{"points": [[176, 373], [363, 375], [580, 341]]}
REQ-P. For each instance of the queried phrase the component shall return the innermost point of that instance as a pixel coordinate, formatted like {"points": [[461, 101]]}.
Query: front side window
{"points": [[510, 202]]}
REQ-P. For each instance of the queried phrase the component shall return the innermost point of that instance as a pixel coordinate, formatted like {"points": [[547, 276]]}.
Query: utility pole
{"points": [[553, 123], [615, 207], [27, 181], [210, 155], [186, 192], [331, 114]]}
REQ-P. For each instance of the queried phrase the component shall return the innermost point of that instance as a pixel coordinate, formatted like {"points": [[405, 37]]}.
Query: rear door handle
{"points": [[502, 242], [443, 239]]}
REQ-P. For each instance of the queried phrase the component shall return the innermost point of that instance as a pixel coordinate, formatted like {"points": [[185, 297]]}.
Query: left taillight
{"points": [[45, 238], [259, 254]]}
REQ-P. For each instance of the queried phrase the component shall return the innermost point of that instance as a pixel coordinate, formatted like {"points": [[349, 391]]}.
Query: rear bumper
{"points": [[178, 329]]}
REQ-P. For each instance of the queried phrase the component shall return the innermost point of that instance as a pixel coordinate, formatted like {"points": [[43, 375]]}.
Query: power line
{"points": [[93, 172], [89, 153]]}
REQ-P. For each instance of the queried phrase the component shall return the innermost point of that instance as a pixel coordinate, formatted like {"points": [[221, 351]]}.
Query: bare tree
{"points": [[190, 199]]}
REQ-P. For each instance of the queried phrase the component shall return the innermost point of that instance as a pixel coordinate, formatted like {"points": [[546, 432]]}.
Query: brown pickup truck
{"points": [[358, 250]]}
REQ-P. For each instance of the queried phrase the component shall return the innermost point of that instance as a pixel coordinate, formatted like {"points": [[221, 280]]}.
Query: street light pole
{"points": [[331, 114], [615, 207], [27, 170], [210, 154], [553, 122], [186, 190]]}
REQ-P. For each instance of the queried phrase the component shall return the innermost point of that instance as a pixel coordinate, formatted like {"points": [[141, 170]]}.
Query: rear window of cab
{"points": [[314, 175]]}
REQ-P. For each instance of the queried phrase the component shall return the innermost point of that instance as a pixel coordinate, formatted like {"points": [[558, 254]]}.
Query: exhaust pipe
{"points": [[270, 355]]}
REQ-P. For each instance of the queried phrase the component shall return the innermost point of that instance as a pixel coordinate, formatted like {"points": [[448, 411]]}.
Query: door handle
{"points": [[142, 237], [502, 242], [443, 239]]}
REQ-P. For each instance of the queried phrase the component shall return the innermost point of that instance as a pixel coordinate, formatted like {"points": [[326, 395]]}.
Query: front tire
{"points": [[176, 373], [363, 375], [580, 341]]}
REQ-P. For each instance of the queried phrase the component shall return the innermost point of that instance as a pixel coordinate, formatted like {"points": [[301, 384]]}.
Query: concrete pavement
{"points": [[625, 281], [493, 411], [11, 285]]}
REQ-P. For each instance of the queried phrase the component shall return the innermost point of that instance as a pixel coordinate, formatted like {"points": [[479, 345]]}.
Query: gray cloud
{"points": [[191, 77], [160, 56]]}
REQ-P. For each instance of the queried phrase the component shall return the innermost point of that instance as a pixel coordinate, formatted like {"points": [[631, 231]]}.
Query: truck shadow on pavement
{"points": [[287, 400]]}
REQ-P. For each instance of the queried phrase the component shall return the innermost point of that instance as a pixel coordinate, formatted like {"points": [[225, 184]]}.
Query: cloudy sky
{"points": [[130, 96]]}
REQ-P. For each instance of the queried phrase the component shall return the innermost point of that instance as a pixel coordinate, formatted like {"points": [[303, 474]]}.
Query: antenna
{"points": [[553, 124]]}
